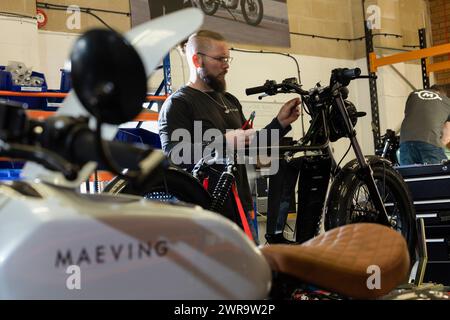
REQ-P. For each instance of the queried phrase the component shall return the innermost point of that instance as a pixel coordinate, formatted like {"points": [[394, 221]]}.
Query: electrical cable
{"points": [[82, 9], [337, 167], [345, 39], [87, 11], [411, 46], [50, 6], [15, 15], [101, 20], [272, 52], [392, 49]]}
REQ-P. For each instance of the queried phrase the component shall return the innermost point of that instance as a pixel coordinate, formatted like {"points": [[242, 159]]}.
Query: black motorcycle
{"points": [[366, 189], [388, 146]]}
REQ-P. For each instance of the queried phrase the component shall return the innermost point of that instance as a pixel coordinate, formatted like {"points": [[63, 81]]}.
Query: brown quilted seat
{"points": [[338, 260]]}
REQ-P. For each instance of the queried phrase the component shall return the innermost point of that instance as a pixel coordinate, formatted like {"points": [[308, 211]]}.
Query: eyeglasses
{"points": [[220, 59]]}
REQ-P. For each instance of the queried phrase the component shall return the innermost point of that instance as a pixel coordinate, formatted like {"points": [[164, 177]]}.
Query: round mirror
{"points": [[108, 76]]}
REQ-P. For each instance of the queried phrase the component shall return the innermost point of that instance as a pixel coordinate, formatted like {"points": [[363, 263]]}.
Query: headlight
{"points": [[337, 125]]}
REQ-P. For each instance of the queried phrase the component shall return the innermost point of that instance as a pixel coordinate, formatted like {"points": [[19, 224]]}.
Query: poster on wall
{"points": [[257, 22]]}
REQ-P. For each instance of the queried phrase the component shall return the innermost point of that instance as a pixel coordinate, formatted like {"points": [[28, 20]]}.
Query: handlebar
{"points": [[343, 76], [62, 143], [351, 73], [255, 90], [271, 88]]}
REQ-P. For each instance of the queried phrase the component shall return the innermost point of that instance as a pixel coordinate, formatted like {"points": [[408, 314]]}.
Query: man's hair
{"points": [[441, 89], [201, 41], [209, 34]]}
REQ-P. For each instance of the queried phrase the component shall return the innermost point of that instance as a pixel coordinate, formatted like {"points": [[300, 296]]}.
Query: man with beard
{"points": [[204, 100]]}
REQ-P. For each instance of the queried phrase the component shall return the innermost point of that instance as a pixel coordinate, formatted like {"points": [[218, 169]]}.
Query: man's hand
{"points": [[239, 138], [289, 112]]}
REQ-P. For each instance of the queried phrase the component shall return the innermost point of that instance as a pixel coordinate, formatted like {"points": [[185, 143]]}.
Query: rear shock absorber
{"points": [[222, 190]]}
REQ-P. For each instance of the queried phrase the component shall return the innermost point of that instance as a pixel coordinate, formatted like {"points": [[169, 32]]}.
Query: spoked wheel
{"points": [[362, 209], [253, 11], [209, 7], [175, 185], [350, 201], [161, 195]]}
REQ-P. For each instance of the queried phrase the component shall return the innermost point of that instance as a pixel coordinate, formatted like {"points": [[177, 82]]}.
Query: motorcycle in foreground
{"points": [[56, 243]]}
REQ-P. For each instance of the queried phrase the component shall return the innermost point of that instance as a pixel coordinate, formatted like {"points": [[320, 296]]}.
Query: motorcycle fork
{"points": [[365, 172]]}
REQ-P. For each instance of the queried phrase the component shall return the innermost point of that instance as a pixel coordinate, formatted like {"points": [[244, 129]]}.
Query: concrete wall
{"points": [[52, 60], [25, 7], [19, 41]]}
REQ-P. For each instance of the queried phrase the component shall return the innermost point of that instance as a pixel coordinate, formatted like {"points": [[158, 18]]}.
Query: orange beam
{"points": [[33, 94], [40, 115], [59, 95], [102, 176], [143, 116], [147, 116], [375, 62], [156, 98], [8, 159], [372, 60], [434, 67]]}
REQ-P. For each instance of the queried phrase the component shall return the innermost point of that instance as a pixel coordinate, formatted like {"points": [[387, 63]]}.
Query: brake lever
{"points": [[271, 92], [262, 96]]}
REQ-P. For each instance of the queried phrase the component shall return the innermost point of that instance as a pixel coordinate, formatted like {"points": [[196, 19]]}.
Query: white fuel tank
{"points": [[56, 244]]}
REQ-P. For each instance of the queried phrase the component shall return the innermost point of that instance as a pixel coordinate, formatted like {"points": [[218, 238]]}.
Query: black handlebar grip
{"points": [[352, 73], [85, 148], [255, 90]]}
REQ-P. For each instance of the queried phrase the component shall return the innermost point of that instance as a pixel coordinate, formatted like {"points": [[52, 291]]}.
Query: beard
{"points": [[214, 82]]}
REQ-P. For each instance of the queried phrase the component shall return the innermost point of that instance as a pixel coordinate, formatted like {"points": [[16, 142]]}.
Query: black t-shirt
{"points": [[187, 105], [425, 115]]}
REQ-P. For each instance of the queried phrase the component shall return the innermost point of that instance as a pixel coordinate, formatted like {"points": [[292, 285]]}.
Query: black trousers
{"points": [[281, 186]]}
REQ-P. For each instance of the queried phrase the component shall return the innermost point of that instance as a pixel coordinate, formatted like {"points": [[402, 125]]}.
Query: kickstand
{"points": [[417, 279]]}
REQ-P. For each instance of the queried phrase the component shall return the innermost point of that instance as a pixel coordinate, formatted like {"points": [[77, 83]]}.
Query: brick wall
{"points": [[440, 28]]}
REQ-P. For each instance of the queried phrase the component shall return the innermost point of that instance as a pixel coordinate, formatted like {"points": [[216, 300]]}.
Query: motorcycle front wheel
{"points": [[253, 11], [209, 7], [350, 201]]}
